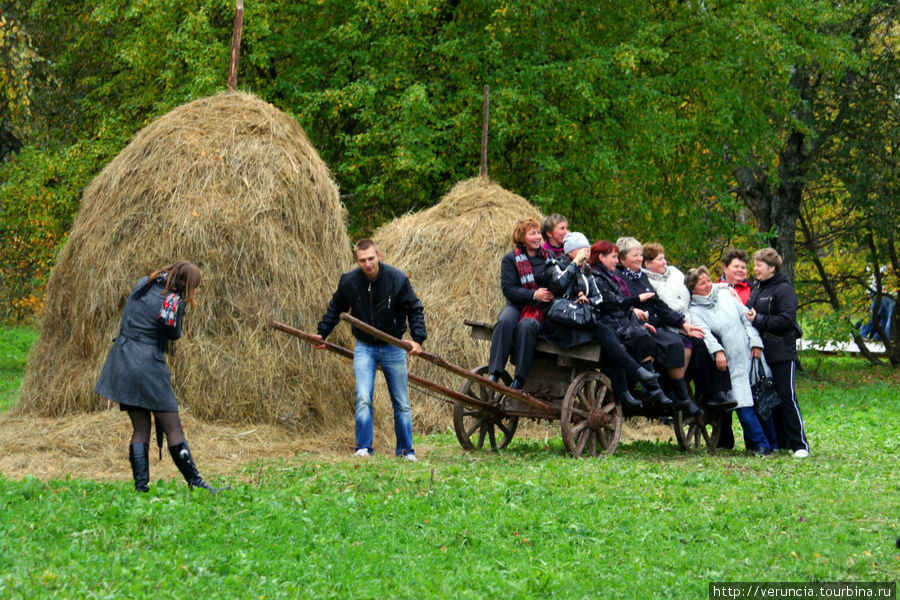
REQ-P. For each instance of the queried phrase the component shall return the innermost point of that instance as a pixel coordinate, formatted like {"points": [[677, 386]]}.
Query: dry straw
{"points": [[234, 185], [452, 254]]}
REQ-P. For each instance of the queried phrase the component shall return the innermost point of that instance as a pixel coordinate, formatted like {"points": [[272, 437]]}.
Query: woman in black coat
{"points": [[136, 375], [519, 323], [670, 347], [772, 308], [618, 308]]}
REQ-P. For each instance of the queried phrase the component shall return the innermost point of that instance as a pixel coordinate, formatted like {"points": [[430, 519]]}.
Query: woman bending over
{"points": [[136, 375]]}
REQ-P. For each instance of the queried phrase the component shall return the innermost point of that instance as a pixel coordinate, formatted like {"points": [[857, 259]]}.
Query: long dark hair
{"points": [[182, 278]]}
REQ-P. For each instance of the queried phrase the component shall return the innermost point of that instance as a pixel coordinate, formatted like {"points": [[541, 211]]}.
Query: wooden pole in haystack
{"points": [[484, 133], [236, 44]]}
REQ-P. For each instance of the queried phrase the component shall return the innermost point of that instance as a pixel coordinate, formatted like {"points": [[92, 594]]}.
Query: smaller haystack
{"points": [[232, 184], [452, 254]]}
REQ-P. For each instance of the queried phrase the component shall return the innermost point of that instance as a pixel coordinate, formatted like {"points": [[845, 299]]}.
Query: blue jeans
{"points": [[366, 358], [754, 434]]}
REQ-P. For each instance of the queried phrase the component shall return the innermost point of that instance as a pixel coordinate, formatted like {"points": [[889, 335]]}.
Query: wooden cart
{"points": [[572, 385], [567, 384]]}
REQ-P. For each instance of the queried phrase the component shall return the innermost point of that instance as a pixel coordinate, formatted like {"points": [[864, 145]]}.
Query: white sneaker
{"points": [[411, 458], [801, 453], [362, 452]]}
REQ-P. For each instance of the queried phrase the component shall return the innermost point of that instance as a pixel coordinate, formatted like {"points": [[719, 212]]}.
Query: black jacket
{"points": [[659, 312], [617, 305], [775, 302], [516, 294], [385, 303]]}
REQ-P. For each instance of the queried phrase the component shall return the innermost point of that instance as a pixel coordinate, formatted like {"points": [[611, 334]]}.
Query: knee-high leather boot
{"points": [[651, 385], [683, 400], [140, 466], [181, 454]]}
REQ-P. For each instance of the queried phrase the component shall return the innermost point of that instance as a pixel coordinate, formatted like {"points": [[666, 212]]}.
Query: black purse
{"points": [[765, 395], [568, 313]]}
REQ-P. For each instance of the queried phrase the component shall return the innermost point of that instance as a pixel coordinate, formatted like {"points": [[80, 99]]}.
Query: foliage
{"points": [[112, 68], [38, 203], [527, 522], [699, 125]]}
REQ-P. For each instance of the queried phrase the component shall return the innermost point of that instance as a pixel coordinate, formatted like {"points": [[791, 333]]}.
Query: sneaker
{"points": [[410, 458], [362, 452], [801, 453], [763, 451]]}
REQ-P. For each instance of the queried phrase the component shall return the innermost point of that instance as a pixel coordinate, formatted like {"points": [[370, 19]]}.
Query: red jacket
{"points": [[742, 288]]}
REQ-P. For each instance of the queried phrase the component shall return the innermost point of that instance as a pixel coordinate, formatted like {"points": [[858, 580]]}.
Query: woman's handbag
{"points": [[765, 395], [569, 313]]}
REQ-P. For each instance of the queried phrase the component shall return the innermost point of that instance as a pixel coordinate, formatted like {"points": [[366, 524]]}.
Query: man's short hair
{"points": [[734, 253], [363, 244], [522, 227], [768, 256], [549, 223]]}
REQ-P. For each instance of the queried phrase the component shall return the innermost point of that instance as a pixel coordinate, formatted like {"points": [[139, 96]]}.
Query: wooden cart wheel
{"points": [[473, 425], [591, 420], [695, 434]]}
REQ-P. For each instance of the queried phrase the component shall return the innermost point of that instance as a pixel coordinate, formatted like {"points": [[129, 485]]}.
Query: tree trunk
{"points": [[9, 144]]}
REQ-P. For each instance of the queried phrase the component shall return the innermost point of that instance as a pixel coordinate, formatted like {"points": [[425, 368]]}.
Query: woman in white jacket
{"points": [[731, 341], [710, 385]]}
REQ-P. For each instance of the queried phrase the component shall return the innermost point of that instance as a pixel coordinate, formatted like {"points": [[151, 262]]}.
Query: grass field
{"points": [[14, 345], [648, 522]]}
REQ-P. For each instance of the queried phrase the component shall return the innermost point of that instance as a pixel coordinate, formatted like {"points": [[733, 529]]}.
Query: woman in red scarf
{"points": [[519, 323]]}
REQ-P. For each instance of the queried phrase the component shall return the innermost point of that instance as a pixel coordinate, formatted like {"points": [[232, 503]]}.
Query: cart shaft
{"points": [[440, 362]]}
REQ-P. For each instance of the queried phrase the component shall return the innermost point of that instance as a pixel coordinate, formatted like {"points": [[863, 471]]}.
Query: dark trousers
{"points": [[786, 416], [616, 359], [754, 435], [513, 335], [703, 373]]}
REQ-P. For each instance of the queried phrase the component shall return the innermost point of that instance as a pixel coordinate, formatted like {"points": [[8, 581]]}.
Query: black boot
{"points": [[645, 375], [649, 378], [655, 394], [181, 454], [683, 400], [626, 399], [720, 400], [140, 466]]}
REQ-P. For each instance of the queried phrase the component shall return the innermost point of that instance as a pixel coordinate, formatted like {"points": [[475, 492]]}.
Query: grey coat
{"points": [[727, 329], [135, 372]]}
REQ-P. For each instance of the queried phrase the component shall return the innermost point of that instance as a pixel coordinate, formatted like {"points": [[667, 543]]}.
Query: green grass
{"points": [[14, 345], [648, 522]]}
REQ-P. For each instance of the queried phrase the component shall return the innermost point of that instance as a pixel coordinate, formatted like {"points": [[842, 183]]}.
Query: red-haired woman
{"points": [[136, 375], [519, 323]]}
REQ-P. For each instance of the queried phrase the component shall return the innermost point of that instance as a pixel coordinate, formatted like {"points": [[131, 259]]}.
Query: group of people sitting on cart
{"points": [[657, 327]]}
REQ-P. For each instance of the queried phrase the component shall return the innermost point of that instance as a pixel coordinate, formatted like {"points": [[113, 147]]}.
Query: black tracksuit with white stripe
{"points": [[775, 302]]}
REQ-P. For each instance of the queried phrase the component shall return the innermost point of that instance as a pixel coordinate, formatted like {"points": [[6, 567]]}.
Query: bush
{"points": [[39, 197]]}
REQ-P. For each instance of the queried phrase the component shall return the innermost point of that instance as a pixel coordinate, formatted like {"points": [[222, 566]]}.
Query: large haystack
{"points": [[452, 254], [234, 185]]}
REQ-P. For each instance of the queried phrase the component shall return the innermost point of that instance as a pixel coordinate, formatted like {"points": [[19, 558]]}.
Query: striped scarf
{"points": [[526, 277], [169, 310]]}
